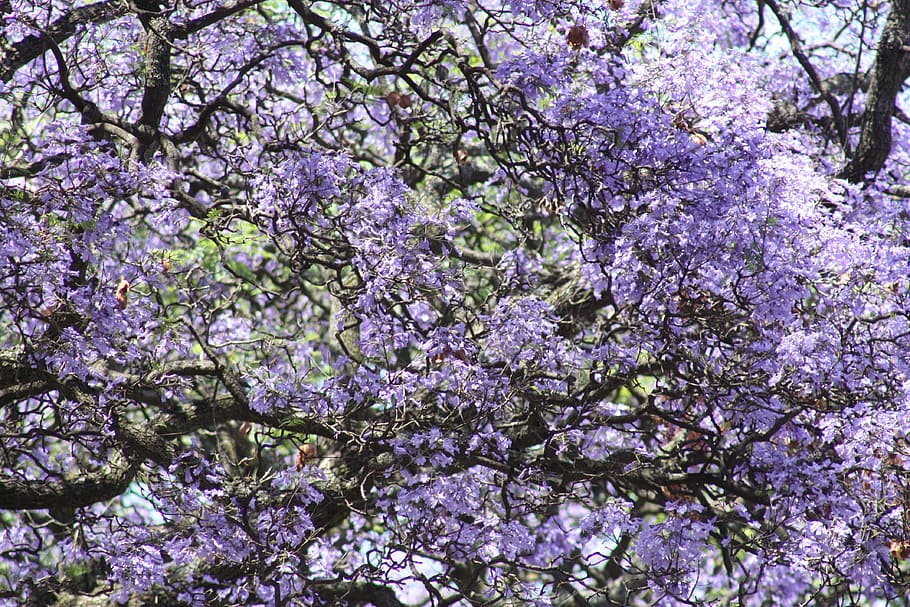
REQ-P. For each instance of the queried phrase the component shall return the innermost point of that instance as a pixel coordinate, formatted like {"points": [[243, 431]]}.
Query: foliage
{"points": [[454, 303]]}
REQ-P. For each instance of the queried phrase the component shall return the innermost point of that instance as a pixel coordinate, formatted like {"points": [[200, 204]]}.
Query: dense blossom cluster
{"points": [[454, 303]]}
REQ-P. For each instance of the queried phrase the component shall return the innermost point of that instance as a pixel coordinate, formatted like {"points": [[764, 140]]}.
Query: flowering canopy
{"points": [[436, 302]]}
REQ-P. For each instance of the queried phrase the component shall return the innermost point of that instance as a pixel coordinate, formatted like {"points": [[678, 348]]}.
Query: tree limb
{"points": [[892, 68], [814, 78], [34, 46], [89, 488]]}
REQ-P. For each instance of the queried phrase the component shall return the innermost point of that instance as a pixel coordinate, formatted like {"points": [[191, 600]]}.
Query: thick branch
{"points": [[34, 46], [892, 68], [85, 489], [158, 39], [200, 23]]}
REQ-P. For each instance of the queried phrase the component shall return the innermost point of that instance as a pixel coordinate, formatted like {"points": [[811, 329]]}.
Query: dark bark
{"points": [[159, 37], [86, 489], [892, 68], [32, 47], [796, 46], [132, 442]]}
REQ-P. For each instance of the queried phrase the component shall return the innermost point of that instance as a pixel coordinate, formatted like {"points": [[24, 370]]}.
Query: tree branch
{"points": [[158, 39], [892, 68], [200, 23], [814, 78], [34, 46], [89, 488]]}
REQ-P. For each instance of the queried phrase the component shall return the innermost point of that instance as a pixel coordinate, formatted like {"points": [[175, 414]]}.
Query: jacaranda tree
{"points": [[454, 302]]}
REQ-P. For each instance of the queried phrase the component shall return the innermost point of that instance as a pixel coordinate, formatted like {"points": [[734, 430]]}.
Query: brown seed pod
{"points": [[393, 98], [615, 5], [461, 156], [51, 308], [578, 36], [123, 290], [899, 549], [404, 101], [305, 454]]}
